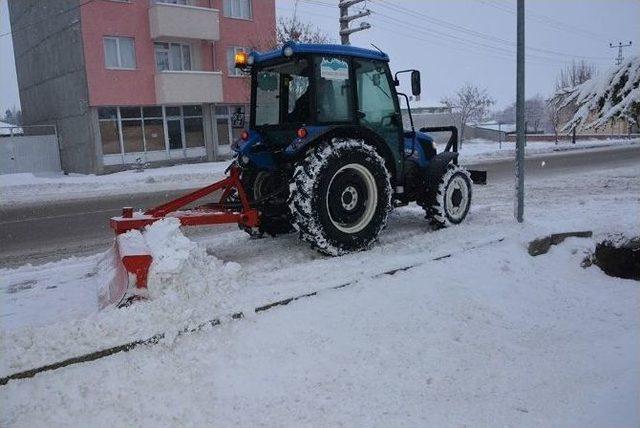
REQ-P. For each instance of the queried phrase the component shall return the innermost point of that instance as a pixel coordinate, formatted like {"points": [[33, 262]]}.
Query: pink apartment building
{"points": [[131, 81]]}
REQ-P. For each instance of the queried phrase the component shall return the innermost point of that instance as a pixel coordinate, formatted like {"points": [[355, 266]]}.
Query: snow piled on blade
{"points": [[186, 287], [181, 269]]}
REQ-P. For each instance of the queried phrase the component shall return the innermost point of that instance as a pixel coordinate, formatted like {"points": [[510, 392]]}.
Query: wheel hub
{"points": [[352, 198], [456, 198], [349, 198]]}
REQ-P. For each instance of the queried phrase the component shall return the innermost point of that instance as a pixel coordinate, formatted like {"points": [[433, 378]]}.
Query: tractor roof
{"points": [[321, 49]]}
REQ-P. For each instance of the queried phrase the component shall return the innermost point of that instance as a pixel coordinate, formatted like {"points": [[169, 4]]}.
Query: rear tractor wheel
{"points": [[340, 196], [269, 191], [449, 197]]}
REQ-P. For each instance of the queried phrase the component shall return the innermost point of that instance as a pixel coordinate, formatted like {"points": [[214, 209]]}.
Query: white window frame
{"points": [[168, 51], [227, 6], [118, 53], [232, 71], [155, 155]]}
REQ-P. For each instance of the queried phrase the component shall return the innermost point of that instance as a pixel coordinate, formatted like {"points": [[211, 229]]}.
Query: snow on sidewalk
{"points": [[29, 188], [483, 150], [485, 338], [26, 188]]}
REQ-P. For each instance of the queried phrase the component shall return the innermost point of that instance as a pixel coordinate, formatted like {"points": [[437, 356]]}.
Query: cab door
{"points": [[378, 107]]}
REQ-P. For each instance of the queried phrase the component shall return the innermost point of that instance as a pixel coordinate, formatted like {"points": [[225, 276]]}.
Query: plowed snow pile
{"points": [[181, 269], [186, 286]]}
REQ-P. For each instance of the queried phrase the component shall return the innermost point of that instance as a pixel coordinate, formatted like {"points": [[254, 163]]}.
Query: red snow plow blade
{"points": [[130, 258]]}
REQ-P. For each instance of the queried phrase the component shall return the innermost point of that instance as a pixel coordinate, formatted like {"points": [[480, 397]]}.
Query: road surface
{"points": [[43, 233]]}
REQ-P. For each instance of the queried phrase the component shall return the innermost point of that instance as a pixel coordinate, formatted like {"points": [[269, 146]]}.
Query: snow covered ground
{"points": [[26, 188], [487, 336], [481, 150], [29, 188]]}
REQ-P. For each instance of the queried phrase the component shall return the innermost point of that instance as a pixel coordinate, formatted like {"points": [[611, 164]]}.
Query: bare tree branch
{"points": [[469, 104]]}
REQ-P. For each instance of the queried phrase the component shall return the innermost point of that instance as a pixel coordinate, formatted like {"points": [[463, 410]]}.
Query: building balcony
{"points": [[168, 20], [188, 87]]}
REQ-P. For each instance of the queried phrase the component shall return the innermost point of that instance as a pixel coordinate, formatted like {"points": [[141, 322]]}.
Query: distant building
{"points": [[427, 116], [491, 130], [129, 81]]}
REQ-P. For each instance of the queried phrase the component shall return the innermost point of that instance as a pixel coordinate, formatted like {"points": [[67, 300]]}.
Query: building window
{"points": [[240, 9], [193, 128], [131, 125], [227, 130], [231, 61], [119, 53], [136, 131], [173, 56]]}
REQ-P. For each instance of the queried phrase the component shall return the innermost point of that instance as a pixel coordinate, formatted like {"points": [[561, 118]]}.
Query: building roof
{"points": [[322, 49]]}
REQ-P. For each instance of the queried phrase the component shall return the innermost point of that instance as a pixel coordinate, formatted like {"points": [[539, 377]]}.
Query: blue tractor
{"points": [[326, 153]]}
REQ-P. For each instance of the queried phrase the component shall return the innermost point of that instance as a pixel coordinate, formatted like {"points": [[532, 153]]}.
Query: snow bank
{"points": [[28, 188], [182, 269], [480, 149], [187, 286], [16, 189]]}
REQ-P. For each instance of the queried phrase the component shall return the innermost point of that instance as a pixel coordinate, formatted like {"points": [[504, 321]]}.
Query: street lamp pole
{"points": [[520, 114]]}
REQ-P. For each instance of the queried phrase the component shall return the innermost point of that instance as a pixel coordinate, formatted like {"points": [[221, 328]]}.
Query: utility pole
{"points": [[620, 46], [520, 106], [345, 31]]}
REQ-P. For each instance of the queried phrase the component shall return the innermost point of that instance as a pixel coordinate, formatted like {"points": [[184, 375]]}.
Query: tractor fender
{"points": [[322, 134], [438, 165]]}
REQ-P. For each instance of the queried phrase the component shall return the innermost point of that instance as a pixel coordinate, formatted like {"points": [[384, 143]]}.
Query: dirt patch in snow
{"points": [[618, 256]]}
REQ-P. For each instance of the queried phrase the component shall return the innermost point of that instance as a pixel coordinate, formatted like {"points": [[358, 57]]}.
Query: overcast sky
{"points": [[456, 41]]}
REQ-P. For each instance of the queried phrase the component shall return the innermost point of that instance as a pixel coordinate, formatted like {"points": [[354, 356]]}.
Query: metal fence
{"points": [[29, 149]]}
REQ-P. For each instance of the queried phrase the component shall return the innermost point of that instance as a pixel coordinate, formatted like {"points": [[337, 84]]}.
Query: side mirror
{"points": [[415, 82]]}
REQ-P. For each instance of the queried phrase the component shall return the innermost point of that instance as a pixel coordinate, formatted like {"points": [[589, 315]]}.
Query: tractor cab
{"points": [[304, 92]]}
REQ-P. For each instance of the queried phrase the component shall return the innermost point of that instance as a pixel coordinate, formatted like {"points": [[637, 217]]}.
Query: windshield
{"points": [[283, 93]]}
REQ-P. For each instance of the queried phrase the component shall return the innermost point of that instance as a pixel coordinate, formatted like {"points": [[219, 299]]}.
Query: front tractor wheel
{"points": [[340, 196], [449, 197]]}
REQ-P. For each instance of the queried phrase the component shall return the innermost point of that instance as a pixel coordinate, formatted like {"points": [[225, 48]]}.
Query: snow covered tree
{"points": [[535, 114], [13, 116], [571, 76], [555, 115], [469, 104], [604, 98]]}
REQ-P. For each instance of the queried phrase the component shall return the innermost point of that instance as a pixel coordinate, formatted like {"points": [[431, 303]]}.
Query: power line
{"points": [[475, 33], [620, 46], [546, 20], [503, 46], [502, 49]]}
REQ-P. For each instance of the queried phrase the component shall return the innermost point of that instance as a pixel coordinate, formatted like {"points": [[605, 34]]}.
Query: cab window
{"points": [[283, 94], [375, 98], [333, 90]]}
